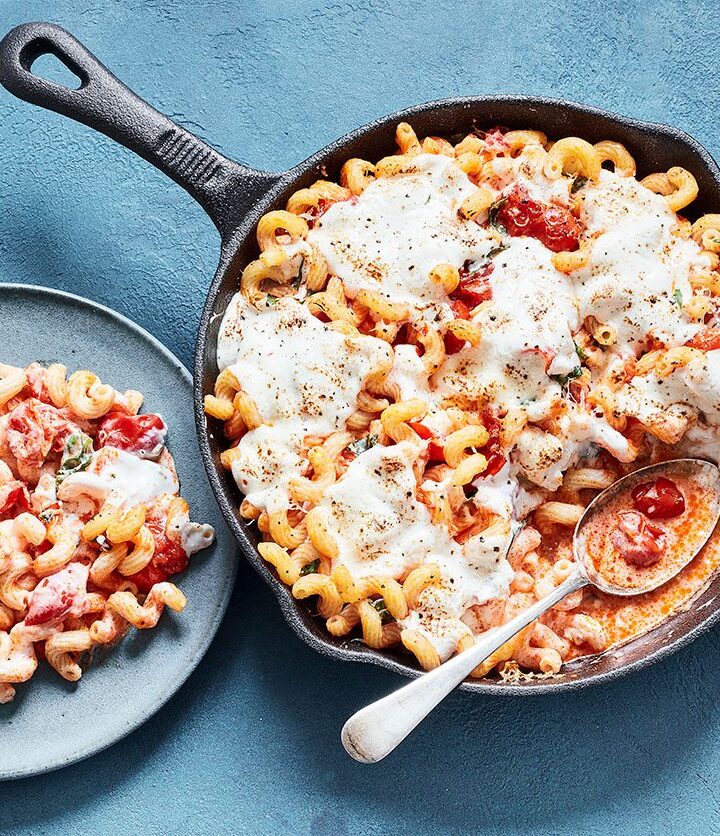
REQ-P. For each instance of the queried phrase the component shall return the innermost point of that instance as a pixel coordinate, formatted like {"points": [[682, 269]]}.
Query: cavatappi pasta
{"points": [[433, 366], [91, 522]]}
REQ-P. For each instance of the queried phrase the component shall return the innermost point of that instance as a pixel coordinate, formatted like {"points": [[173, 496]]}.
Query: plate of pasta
{"points": [[110, 590]]}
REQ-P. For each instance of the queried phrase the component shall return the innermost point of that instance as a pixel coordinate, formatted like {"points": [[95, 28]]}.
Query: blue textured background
{"points": [[250, 744]]}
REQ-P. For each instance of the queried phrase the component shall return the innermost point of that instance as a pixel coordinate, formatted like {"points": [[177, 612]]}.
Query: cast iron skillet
{"points": [[235, 196]]}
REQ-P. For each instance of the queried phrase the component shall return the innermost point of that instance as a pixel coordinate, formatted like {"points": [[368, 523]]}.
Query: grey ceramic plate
{"points": [[52, 723]]}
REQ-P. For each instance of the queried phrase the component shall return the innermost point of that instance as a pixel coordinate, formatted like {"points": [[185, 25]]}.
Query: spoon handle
{"points": [[374, 731]]}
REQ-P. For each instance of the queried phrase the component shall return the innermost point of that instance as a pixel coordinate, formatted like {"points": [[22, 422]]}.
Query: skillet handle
{"points": [[220, 185]]}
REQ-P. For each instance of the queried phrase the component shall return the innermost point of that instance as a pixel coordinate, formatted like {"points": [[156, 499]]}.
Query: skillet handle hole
{"points": [[57, 69]]}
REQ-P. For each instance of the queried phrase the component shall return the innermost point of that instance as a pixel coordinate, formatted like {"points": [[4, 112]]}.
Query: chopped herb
{"points": [[362, 444], [76, 456], [493, 213], [577, 184], [46, 515], [310, 568], [564, 379], [677, 296], [496, 250], [271, 300], [379, 605], [582, 355]]}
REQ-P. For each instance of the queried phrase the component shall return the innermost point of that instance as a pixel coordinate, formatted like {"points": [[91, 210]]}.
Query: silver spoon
{"points": [[374, 731]]}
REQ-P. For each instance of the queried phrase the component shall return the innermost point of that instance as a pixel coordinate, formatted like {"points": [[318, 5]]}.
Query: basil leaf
{"points": [[310, 568], [582, 355], [677, 296], [271, 300], [362, 444], [380, 606], [578, 184], [496, 250], [76, 456], [493, 213], [564, 379]]}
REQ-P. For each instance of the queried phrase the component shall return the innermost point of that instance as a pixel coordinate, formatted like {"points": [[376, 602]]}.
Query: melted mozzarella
{"points": [[195, 536], [382, 529], [689, 389], [543, 457], [526, 327], [124, 478], [636, 264], [470, 574], [373, 514], [391, 236], [701, 441], [408, 374], [304, 378]]}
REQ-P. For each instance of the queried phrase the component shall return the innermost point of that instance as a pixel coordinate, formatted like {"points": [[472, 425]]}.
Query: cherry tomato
{"points": [[659, 500], [168, 559], [493, 449], [141, 434], [707, 340], [554, 226], [56, 595], [435, 449], [14, 499], [495, 463], [474, 286], [454, 344], [460, 309], [638, 540]]}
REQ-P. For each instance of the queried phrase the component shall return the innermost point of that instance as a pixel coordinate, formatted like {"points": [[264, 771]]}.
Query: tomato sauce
{"points": [[631, 550], [625, 618]]}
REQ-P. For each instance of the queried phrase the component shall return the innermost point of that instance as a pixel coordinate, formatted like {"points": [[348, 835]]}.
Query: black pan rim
{"points": [[290, 608]]}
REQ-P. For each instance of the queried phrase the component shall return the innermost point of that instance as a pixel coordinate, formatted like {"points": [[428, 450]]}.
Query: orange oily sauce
{"points": [[683, 536], [623, 618]]}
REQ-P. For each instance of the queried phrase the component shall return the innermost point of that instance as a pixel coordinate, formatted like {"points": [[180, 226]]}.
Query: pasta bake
{"points": [[435, 364], [92, 525]]}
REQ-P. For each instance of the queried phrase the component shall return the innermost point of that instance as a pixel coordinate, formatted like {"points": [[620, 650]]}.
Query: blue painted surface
{"points": [[250, 744]]}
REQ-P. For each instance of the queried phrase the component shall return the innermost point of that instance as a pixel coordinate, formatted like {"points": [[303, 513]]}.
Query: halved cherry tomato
{"points": [[14, 499], [436, 452], [495, 463], [554, 226], [493, 451], [168, 559], [56, 595], [141, 434], [454, 344], [659, 500], [460, 309], [474, 286], [707, 340], [638, 540], [34, 429]]}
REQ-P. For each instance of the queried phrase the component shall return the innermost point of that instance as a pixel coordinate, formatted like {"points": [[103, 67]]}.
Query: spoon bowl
{"points": [[703, 475]]}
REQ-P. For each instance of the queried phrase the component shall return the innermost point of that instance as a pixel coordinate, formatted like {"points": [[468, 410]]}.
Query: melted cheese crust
{"points": [[537, 336]]}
